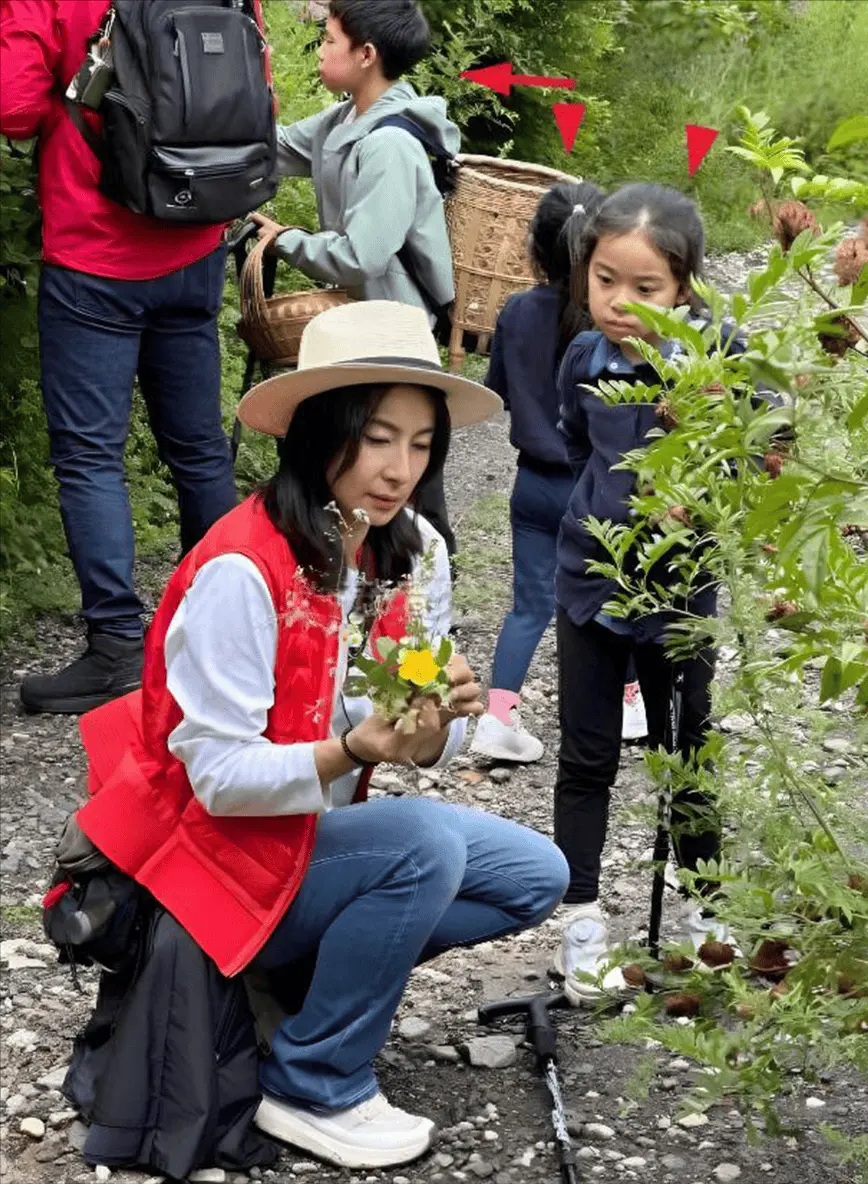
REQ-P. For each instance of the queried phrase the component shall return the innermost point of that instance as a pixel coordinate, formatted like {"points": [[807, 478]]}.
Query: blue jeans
{"points": [[96, 335], [539, 502], [392, 883]]}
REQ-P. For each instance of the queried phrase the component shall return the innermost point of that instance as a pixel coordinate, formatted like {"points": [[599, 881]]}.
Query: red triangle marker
{"points": [[568, 117], [699, 140]]}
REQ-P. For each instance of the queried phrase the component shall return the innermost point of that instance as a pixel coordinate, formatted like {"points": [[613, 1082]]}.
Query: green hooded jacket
{"points": [[375, 192]]}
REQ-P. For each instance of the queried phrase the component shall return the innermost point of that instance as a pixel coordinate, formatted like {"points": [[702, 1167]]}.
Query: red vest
{"points": [[228, 881]]}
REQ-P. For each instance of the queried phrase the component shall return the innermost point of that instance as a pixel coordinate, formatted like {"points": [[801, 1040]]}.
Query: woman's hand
{"points": [[464, 697], [265, 224], [378, 740]]}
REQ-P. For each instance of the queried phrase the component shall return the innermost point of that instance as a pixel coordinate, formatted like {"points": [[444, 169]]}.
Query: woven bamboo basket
{"points": [[272, 325], [488, 216]]}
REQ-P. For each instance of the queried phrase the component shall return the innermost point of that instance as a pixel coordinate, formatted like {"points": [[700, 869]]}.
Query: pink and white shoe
{"points": [[634, 725]]}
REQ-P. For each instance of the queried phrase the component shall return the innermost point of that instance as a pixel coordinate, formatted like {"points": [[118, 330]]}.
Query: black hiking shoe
{"points": [[110, 667]]}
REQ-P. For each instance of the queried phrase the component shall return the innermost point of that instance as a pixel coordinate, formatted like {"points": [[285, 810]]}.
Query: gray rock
{"points": [[836, 744], [673, 1163], [77, 1135], [481, 1169], [634, 1162], [491, 1052], [104, 1174], [598, 1131], [444, 1160], [34, 1127], [414, 1028], [689, 1121], [22, 1038], [726, 1172], [447, 1053], [53, 1079], [500, 776]]}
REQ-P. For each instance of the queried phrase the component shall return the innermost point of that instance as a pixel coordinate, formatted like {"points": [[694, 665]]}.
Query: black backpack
{"points": [[188, 122]]}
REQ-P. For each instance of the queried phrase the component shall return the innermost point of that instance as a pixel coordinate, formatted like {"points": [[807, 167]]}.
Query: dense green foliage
{"points": [[783, 537], [643, 69]]}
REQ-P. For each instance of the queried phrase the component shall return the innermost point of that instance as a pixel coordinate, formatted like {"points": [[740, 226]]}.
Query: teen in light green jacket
{"points": [[375, 187]]}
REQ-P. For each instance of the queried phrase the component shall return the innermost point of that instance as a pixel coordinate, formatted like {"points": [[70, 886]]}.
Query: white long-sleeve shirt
{"points": [[220, 654]]}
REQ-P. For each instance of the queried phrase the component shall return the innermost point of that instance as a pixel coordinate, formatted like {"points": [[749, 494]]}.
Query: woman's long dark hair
{"points": [[669, 219], [323, 428], [561, 212]]}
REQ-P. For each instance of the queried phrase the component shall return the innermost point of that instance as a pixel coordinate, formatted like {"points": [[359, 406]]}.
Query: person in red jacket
{"points": [[232, 787], [122, 296]]}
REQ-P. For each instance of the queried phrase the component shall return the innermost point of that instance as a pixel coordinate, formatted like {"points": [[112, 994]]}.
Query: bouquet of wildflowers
{"points": [[401, 671]]}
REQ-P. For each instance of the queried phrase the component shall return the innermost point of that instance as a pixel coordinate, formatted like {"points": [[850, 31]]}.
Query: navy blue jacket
{"points": [[523, 370], [598, 435]]}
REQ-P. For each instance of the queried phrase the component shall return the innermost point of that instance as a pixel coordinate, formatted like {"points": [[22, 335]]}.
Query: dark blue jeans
{"points": [[391, 884], [539, 502], [96, 335]]}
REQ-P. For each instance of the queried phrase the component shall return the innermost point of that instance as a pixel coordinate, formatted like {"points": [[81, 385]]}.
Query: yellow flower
{"points": [[419, 667]]}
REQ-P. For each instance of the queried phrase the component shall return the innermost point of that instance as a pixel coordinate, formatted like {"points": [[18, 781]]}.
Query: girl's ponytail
{"points": [[560, 214]]}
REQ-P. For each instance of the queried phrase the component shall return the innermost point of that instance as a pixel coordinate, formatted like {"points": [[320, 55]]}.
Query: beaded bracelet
{"points": [[348, 752]]}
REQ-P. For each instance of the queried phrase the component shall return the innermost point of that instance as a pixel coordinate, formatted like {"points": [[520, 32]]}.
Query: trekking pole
{"points": [[664, 815], [541, 1034]]}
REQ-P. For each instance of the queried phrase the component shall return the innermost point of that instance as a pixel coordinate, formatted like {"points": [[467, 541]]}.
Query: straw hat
{"points": [[371, 341]]}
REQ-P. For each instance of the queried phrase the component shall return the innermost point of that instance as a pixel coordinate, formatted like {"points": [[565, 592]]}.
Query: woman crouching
{"points": [[240, 801]]}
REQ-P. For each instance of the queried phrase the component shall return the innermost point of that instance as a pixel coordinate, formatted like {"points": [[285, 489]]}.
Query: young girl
{"points": [[643, 245], [238, 796], [533, 330]]}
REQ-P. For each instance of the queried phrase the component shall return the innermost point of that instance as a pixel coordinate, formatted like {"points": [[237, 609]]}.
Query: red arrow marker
{"points": [[699, 140], [501, 79], [568, 117]]}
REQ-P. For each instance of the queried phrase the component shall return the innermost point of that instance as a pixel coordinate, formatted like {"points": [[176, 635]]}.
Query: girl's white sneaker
{"points": [[585, 947], [372, 1134], [501, 742]]}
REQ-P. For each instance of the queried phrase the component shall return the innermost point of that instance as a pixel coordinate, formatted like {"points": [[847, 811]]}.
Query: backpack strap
{"points": [[442, 166], [442, 161], [87, 133]]}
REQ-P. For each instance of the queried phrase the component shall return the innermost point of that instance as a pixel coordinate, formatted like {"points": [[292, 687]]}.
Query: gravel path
{"points": [[494, 1121]]}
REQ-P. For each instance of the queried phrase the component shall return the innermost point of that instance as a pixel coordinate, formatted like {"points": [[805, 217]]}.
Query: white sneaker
{"points": [[692, 929], [585, 947], [502, 742], [634, 725], [372, 1134]]}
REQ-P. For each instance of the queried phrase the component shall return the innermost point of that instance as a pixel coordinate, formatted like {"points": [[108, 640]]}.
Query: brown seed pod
{"points": [[856, 882], [666, 414], [800, 381], [745, 1012], [850, 257], [634, 975], [779, 990], [679, 514], [773, 463], [717, 953], [769, 548], [770, 959], [677, 964], [714, 388], [837, 344], [780, 609], [790, 219], [682, 1004]]}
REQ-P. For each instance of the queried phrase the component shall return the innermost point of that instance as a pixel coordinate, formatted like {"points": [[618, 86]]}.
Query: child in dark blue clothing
{"points": [[533, 330], [643, 245]]}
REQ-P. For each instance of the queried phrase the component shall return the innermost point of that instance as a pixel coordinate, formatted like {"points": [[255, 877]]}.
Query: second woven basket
{"points": [[488, 216]]}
